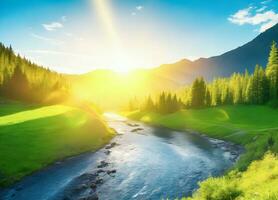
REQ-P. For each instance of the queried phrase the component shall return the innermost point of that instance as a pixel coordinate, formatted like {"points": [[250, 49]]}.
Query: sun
{"points": [[122, 70]]}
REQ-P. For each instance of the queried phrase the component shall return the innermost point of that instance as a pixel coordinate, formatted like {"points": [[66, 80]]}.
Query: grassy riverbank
{"points": [[31, 137], [251, 126], [258, 182], [254, 127]]}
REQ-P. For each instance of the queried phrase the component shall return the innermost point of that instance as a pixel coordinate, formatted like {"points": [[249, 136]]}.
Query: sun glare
{"points": [[105, 14]]}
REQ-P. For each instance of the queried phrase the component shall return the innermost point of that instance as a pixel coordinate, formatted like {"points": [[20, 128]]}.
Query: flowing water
{"points": [[148, 163]]}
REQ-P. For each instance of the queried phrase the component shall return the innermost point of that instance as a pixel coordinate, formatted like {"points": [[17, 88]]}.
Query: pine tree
{"points": [[17, 86], [264, 86], [149, 105], [198, 93], [208, 98], [272, 72]]}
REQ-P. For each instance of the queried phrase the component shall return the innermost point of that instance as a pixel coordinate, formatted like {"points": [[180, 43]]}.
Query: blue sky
{"points": [[76, 36]]}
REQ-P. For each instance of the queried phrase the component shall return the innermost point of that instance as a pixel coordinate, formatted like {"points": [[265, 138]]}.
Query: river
{"points": [[142, 162]]}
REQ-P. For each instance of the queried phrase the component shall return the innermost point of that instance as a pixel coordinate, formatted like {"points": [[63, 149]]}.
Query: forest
{"points": [[22, 80], [257, 88]]}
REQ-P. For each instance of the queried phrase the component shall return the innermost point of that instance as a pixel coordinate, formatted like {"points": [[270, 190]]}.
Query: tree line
{"points": [[259, 87], [23, 80], [165, 102]]}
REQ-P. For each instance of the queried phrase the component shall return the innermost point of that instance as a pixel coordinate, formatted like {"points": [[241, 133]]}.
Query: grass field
{"points": [[32, 137], [258, 182], [250, 126]]}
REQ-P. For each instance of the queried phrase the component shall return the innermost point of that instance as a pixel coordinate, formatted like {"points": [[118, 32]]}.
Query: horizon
{"points": [[82, 35]]}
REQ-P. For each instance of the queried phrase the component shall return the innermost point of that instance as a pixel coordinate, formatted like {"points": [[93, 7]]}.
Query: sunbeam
{"points": [[105, 14]]}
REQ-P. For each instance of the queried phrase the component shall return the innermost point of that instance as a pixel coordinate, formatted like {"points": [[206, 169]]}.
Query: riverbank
{"points": [[35, 136], [258, 182], [253, 127], [141, 162]]}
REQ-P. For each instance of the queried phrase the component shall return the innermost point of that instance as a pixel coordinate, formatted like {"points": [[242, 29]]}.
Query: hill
{"points": [[34, 136], [237, 60]]}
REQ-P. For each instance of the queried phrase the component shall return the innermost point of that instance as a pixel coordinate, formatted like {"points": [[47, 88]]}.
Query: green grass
{"points": [[258, 182], [250, 126], [32, 137]]}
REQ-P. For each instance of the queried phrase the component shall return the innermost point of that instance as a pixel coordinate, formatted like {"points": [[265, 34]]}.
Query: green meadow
{"points": [[254, 127], [32, 137]]}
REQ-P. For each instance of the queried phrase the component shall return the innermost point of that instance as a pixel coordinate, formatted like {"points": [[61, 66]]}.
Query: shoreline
{"points": [[236, 150], [58, 162], [86, 183]]}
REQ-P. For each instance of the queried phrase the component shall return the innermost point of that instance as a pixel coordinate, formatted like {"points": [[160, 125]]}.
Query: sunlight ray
{"points": [[105, 14]]}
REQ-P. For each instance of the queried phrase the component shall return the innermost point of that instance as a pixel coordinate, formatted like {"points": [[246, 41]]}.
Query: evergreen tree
{"points": [[272, 72], [198, 93], [149, 105], [162, 103], [208, 98], [17, 86]]}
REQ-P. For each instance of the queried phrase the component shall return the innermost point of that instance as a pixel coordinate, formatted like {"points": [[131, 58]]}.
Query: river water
{"points": [[146, 162]]}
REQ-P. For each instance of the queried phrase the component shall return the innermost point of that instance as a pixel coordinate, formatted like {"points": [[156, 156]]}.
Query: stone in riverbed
{"points": [[89, 197], [103, 164], [113, 171], [107, 152], [110, 146], [93, 186], [100, 171], [132, 125], [99, 181], [136, 129]]}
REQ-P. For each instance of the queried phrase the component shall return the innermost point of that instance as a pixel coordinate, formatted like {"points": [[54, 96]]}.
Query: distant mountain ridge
{"points": [[167, 77], [236, 60]]}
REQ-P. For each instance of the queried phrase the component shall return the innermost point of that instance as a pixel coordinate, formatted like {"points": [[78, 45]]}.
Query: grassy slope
{"points": [[258, 182], [33, 137], [250, 126]]}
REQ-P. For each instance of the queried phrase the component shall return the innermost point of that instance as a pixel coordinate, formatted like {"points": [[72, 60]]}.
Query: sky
{"points": [[77, 36]]}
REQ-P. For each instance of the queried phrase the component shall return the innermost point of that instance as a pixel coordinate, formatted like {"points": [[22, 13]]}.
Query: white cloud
{"points": [[139, 8], [46, 39], [53, 26], [265, 19], [261, 9], [268, 25], [266, 1]]}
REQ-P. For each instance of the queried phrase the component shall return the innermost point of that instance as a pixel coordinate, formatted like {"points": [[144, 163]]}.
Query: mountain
{"points": [[237, 60], [110, 89], [175, 72]]}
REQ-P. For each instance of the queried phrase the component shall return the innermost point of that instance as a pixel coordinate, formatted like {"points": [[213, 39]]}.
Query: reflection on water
{"points": [[151, 163]]}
